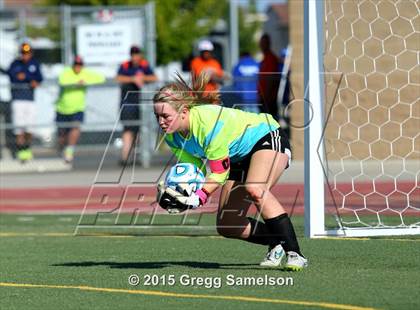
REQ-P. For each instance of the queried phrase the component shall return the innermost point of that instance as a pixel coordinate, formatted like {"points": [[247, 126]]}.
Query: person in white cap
{"points": [[207, 63]]}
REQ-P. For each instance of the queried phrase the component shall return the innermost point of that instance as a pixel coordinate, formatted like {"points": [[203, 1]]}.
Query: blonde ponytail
{"points": [[180, 94]]}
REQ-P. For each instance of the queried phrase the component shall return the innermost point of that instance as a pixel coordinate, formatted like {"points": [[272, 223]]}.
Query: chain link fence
{"points": [[100, 131], [103, 37]]}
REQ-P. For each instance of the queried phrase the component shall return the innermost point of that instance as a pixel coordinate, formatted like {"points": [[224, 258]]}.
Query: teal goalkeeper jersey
{"points": [[216, 133]]}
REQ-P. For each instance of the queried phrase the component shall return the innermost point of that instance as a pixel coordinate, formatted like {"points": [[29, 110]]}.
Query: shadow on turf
{"points": [[153, 265]]}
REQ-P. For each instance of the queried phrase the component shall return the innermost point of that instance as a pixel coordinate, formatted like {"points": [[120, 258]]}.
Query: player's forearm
{"points": [[211, 186]]}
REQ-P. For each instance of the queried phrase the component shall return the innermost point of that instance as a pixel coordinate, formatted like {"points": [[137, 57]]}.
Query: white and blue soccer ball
{"points": [[187, 174]]}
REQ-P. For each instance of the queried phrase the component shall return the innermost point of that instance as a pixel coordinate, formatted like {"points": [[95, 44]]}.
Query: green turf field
{"points": [[43, 266]]}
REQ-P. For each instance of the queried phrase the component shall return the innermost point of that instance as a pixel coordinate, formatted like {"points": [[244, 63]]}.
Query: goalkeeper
{"points": [[246, 152]]}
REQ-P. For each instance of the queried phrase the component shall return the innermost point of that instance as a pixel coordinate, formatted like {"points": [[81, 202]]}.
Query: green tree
{"points": [[52, 30], [248, 28], [179, 22]]}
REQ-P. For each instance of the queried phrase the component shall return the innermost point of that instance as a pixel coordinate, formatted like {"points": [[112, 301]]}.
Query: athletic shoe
{"points": [[273, 257], [295, 262], [68, 154], [24, 155], [21, 155], [30, 155]]}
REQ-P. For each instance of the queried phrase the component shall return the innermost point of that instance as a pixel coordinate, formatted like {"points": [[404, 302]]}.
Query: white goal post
{"points": [[362, 141]]}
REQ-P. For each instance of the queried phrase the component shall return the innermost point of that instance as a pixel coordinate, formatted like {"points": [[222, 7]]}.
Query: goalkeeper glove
{"points": [[178, 201]]}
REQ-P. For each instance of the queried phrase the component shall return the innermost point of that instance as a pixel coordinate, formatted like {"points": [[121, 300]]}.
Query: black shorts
{"points": [[275, 140], [74, 121], [130, 117]]}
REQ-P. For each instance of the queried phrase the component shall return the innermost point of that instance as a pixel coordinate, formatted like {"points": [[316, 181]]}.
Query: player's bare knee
{"points": [[255, 191]]}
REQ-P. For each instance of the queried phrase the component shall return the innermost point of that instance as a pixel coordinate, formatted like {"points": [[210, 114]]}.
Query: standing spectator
{"points": [[284, 97], [207, 63], [4, 112], [25, 75], [132, 75], [269, 79], [245, 75], [71, 104]]}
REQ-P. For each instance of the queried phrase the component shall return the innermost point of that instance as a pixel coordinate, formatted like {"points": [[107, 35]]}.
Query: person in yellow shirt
{"points": [[246, 153], [71, 104]]}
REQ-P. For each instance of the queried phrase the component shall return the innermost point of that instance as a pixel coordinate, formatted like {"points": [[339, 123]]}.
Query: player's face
{"points": [[77, 68], [206, 55], [136, 58], [26, 57], [264, 44], [168, 118]]}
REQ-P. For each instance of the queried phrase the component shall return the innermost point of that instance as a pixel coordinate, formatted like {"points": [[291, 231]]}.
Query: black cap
{"points": [[78, 61], [135, 50], [25, 48]]}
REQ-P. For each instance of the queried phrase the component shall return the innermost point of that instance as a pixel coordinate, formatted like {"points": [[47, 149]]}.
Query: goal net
{"points": [[365, 144]]}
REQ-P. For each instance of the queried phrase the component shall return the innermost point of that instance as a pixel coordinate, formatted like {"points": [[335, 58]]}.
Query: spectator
{"points": [[269, 79], [3, 113], [284, 98], [207, 63], [25, 75], [132, 75], [245, 82], [71, 104]]}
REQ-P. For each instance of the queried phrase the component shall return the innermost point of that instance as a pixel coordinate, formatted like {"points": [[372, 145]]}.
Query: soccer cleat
{"points": [[273, 257], [295, 262]]}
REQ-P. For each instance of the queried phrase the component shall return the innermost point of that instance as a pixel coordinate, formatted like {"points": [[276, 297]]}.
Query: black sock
{"points": [[260, 234], [282, 228]]}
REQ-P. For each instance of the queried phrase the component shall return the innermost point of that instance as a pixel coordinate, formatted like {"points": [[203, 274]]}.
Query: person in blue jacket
{"points": [[25, 75], [245, 76]]}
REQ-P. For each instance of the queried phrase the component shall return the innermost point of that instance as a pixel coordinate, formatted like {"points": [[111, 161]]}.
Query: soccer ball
{"points": [[188, 175]]}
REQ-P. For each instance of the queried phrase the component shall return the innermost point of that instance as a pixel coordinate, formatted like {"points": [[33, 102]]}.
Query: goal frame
{"points": [[314, 159]]}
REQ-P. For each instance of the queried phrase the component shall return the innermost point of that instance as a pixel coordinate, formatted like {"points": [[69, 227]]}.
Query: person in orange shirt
{"points": [[268, 79], [207, 63]]}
